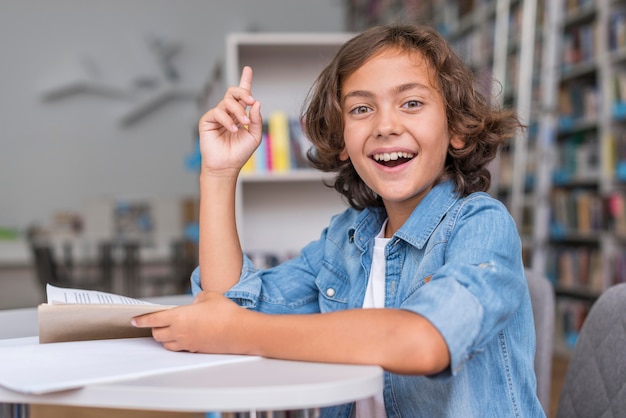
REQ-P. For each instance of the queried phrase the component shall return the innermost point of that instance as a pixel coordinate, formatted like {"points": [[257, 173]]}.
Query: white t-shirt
{"points": [[374, 407]]}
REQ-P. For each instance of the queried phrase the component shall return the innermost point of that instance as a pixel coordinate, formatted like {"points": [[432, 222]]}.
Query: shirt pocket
{"points": [[333, 289]]}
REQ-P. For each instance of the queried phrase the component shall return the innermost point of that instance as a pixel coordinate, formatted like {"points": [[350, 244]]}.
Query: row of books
{"points": [[578, 102], [570, 316], [452, 16], [619, 95], [284, 146], [575, 6], [576, 212], [616, 155], [576, 268], [582, 101], [585, 213], [617, 29], [618, 268], [576, 158], [476, 47], [579, 268], [579, 44], [616, 205]]}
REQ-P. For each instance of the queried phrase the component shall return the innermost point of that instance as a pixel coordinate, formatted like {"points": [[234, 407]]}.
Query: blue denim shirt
{"points": [[457, 262]]}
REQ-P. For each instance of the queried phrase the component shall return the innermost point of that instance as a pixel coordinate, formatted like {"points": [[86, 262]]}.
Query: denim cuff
{"points": [[454, 311], [245, 292]]}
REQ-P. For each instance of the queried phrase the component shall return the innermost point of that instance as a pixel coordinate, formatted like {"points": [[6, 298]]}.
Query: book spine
{"points": [[261, 155], [248, 167], [278, 129]]}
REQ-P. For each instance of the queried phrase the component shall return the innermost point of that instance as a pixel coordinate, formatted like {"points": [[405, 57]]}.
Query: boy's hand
{"points": [[206, 326], [229, 133]]}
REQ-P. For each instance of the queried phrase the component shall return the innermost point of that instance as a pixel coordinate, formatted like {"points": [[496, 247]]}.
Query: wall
{"points": [[66, 154], [56, 155]]}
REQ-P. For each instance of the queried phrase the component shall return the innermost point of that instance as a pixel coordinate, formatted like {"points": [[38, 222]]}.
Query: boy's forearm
{"points": [[399, 341], [220, 256]]}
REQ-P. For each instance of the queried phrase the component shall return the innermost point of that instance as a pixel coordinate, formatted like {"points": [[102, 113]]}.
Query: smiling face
{"points": [[395, 129]]}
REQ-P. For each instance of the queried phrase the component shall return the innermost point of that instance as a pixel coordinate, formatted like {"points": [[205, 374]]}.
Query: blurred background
{"points": [[99, 112]]}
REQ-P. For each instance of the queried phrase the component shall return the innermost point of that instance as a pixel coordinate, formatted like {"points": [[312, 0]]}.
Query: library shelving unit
{"points": [[279, 212], [501, 43], [587, 249]]}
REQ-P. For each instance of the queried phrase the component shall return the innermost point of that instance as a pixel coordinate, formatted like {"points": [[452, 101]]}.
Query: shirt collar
{"points": [[428, 214], [417, 229]]}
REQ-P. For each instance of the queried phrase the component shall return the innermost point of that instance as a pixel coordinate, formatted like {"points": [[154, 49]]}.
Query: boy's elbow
{"points": [[430, 361], [423, 350], [438, 362]]}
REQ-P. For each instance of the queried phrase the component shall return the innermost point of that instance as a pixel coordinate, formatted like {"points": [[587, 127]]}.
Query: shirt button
{"points": [[330, 292]]}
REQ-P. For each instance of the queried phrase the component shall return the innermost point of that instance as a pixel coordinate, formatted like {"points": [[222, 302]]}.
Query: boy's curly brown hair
{"points": [[470, 115]]}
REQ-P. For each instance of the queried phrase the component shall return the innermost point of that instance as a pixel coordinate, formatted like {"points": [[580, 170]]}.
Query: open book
{"points": [[80, 315]]}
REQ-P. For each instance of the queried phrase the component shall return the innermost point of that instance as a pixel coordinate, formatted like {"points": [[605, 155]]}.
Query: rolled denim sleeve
{"points": [[196, 287], [245, 292], [287, 288], [470, 298]]}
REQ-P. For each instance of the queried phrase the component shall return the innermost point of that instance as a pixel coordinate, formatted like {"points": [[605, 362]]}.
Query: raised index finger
{"points": [[246, 78]]}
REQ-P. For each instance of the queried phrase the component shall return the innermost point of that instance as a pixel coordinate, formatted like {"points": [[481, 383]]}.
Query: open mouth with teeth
{"points": [[392, 159]]}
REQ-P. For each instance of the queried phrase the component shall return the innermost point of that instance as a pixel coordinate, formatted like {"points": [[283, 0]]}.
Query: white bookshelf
{"points": [[285, 65], [281, 212]]}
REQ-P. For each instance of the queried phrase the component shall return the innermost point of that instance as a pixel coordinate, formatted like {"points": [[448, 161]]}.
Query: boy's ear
{"points": [[457, 142], [343, 155]]}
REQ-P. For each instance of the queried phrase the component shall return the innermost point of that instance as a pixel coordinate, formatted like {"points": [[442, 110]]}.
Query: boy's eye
{"points": [[360, 110], [412, 104]]}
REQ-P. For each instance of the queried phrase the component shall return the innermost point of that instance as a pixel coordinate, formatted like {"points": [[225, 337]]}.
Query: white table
{"points": [[255, 385]]}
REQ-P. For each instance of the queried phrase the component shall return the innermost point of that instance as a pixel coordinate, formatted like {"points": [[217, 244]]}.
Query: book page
{"points": [[35, 368], [88, 297]]}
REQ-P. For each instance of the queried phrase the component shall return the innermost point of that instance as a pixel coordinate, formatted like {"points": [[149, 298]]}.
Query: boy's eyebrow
{"points": [[411, 86], [357, 93], [399, 89]]}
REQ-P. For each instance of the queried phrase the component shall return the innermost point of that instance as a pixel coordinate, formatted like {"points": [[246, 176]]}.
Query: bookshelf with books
{"points": [[615, 120], [502, 41], [587, 249], [282, 203]]}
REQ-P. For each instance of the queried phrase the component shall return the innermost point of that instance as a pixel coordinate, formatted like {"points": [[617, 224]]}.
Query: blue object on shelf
{"points": [[561, 177], [619, 110], [620, 170], [566, 122], [558, 231]]}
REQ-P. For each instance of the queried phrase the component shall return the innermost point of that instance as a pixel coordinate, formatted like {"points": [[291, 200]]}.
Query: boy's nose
{"points": [[387, 124]]}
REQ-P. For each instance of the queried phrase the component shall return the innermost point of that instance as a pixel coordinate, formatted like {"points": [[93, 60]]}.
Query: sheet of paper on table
{"points": [[35, 368]]}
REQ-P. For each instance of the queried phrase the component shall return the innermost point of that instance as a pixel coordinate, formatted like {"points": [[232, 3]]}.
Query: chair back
{"points": [[46, 268], [543, 302], [595, 382]]}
